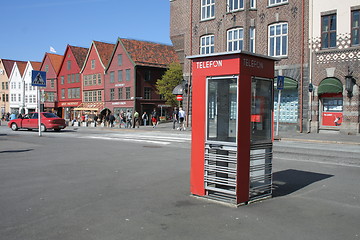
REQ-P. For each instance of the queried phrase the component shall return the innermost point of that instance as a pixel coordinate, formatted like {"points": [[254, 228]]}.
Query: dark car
{"points": [[30, 121]]}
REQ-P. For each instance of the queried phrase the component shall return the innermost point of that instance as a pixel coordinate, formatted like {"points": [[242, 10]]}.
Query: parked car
{"points": [[30, 121]]}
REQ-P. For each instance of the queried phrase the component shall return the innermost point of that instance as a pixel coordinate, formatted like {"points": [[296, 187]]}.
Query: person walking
{"points": [[145, 118], [128, 119], [175, 117], [182, 119], [154, 118], [136, 119], [111, 120]]}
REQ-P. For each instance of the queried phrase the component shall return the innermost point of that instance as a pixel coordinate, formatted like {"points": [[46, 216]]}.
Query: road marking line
{"points": [[125, 139]]}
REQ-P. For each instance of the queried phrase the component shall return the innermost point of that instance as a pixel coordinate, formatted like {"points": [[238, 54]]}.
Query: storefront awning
{"points": [[330, 85], [289, 84], [85, 109]]}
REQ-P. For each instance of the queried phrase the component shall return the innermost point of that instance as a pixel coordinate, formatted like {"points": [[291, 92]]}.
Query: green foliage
{"points": [[172, 77]]}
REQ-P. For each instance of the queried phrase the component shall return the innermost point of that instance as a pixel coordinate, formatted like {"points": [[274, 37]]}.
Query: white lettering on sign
{"points": [[120, 85], [118, 103], [209, 64], [253, 63]]}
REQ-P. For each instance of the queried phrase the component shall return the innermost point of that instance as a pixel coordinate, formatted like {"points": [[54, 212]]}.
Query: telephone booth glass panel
{"points": [[222, 110]]}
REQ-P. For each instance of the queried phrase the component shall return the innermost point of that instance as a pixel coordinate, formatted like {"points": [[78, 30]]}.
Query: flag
{"points": [[52, 50]]}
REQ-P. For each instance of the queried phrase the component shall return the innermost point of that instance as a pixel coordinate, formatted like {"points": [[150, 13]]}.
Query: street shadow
{"points": [[16, 151], [291, 180]]}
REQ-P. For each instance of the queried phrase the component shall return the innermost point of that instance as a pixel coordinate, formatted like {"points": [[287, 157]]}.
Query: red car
{"points": [[30, 121]]}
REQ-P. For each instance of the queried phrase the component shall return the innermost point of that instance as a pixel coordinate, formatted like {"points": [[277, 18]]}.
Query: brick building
{"points": [[275, 28], [335, 65]]}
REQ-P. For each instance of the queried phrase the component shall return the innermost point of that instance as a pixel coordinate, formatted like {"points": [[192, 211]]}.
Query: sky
{"points": [[30, 28]]}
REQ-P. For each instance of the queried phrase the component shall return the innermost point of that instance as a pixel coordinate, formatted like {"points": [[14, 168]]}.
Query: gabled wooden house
{"points": [[130, 80], [51, 64], [69, 86]]}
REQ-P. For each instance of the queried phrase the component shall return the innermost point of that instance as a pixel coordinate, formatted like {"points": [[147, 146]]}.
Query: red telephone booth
{"points": [[232, 127]]}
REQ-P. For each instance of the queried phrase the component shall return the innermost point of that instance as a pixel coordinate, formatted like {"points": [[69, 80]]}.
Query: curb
{"points": [[318, 141]]}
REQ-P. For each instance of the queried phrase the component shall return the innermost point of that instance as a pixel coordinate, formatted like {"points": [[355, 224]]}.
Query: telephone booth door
{"points": [[221, 136]]}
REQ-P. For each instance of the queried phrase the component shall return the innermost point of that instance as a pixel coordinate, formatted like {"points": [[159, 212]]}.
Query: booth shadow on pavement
{"points": [[291, 180]]}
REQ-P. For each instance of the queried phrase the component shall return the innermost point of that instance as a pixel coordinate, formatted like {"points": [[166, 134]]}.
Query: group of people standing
{"points": [[127, 119]]}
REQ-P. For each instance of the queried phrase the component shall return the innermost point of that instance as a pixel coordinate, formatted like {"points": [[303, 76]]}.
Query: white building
{"points": [[30, 92], [16, 90]]}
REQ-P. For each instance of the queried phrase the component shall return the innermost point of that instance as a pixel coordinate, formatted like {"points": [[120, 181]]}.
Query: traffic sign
{"points": [[38, 78], [280, 82], [179, 97]]}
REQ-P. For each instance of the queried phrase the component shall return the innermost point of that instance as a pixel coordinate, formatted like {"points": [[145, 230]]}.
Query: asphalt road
{"points": [[134, 184]]}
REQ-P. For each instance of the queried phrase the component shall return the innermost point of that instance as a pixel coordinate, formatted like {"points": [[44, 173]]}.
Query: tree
{"points": [[172, 77]]}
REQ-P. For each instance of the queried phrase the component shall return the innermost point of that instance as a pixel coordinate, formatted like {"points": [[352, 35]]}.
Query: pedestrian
{"points": [[145, 118], [107, 120], [154, 118], [122, 119], [82, 118], [136, 119], [96, 119], [111, 120], [175, 117], [182, 118], [128, 119]]}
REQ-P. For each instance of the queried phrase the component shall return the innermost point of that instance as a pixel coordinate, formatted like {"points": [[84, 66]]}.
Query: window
{"points": [[112, 93], [3, 85], [77, 77], [74, 93], [252, 40], [355, 27], [46, 68], [63, 93], [328, 31], [112, 77], [62, 80], [234, 5], [147, 93], [252, 3], [277, 2], [93, 64], [207, 9], [99, 79], [278, 39], [235, 39], [52, 83], [68, 65], [127, 74], [207, 44], [120, 75], [147, 75], [69, 78], [127, 93], [99, 93], [120, 93], [120, 60]]}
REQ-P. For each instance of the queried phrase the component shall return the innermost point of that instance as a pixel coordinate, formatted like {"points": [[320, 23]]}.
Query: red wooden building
{"points": [[130, 80], [93, 76], [69, 81], [51, 65]]}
